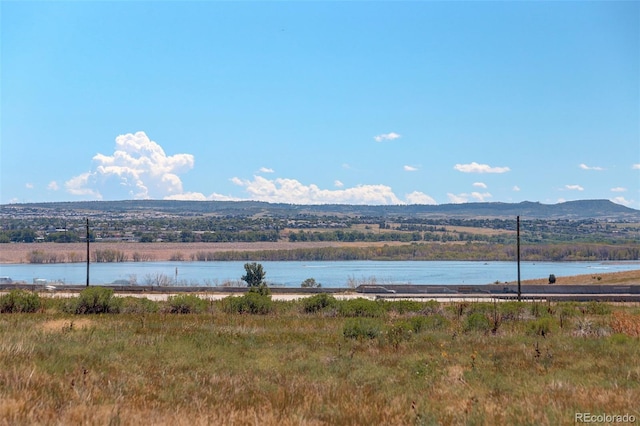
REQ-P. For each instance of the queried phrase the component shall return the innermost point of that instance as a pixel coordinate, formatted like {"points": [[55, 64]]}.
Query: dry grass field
{"points": [[353, 362], [612, 278]]}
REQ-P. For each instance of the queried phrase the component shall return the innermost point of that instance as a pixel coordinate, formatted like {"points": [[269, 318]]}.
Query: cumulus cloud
{"points": [[53, 186], [466, 198], [338, 184], [265, 170], [585, 167], [187, 196], [81, 185], [292, 191], [417, 197], [410, 169], [479, 168], [480, 185], [618, 189], [516, 188], [28, 185], [139, 167], [636, 166], [386, 137], [621, 200], [574, 187]]}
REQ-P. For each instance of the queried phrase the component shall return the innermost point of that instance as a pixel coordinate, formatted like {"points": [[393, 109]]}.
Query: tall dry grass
{"points": [[291, 367]]}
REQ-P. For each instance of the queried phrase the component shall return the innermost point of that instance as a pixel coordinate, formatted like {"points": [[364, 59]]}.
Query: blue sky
{"points": [[320, 102]]}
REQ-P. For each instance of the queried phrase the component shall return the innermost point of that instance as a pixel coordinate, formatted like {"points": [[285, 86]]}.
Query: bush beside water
{"points": [[95, 300], [20, 301], [186, 304]]}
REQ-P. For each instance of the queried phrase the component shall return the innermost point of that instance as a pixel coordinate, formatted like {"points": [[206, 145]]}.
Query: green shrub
{"points": [[431, 307], [477, 322], [310, 283], [397, 333], [261, 289], [568, 309], [318, 302], [250, 303], [361, 328], [458, 309], [360, 307], [138, 305], [511, 311], [186, 304], [19, 301], [96, 300], [481, 308], [432, 322], [619, 339], [596, 308], [541, 326]]}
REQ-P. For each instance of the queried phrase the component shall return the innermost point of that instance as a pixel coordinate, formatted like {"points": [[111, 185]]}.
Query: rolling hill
{"points": [[578, 210]]}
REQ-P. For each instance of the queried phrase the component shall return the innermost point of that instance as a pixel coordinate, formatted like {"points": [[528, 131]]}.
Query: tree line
{"points": [[440, 251]]}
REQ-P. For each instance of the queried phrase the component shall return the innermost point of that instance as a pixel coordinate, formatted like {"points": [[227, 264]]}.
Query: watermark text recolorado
{"points": [[604, 418]]}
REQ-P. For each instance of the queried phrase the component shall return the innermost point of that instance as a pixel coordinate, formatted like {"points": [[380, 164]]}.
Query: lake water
{"points": [[341, 274]]}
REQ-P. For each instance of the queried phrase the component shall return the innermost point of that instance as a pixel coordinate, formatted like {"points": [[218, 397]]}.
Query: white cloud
{"points": [[410, 169], [294, 192], [465, 198], [417, 197], [621, 200], [187, 196], [636, 166], [574, 187], [139, 166], [386, 137], [80, 185], [585, 167], [265, 170], [516, 188], [618, 189], [480, 185], [479, 168], [53, 186], [338, 184], [456, 199], [28, 185]]}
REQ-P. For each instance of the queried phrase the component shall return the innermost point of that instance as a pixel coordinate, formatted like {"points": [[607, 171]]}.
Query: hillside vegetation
{"points": [[585, 230]]}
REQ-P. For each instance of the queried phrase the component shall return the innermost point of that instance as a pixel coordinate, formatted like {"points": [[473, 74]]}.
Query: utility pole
{"points": [[87, 252], [518, 239]]}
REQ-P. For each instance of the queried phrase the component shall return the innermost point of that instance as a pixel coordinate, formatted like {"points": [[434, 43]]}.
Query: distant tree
{"points": [[187, 236], [254, 276], [146, 238], [310, 283]]}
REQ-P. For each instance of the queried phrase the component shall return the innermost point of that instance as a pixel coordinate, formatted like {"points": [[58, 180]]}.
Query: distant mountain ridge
{"points": [[578, 210]]}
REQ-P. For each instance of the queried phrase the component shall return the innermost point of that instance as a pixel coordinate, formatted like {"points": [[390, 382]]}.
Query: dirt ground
{"points": [[611, 278]]}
